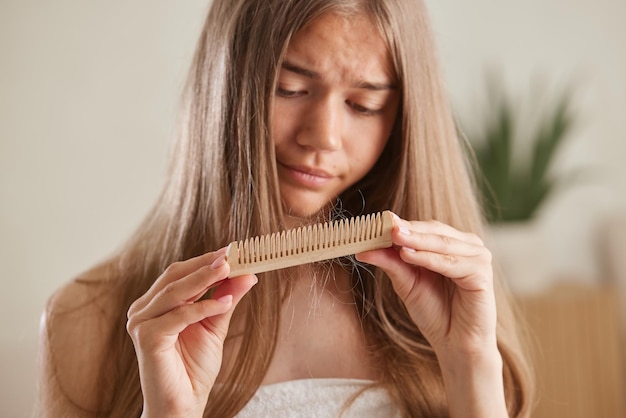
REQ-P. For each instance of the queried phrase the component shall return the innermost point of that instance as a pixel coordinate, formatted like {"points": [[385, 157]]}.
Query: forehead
{"points": [[342, 46]]}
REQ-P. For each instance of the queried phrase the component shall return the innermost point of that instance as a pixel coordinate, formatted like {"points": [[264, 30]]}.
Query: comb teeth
{"points": [[310, 244]]}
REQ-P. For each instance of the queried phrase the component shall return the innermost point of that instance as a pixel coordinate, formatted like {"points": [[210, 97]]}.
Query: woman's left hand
{"points": [[445, 279]]}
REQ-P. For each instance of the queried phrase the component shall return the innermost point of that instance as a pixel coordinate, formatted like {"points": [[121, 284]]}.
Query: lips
{"points": [[305, 175]]}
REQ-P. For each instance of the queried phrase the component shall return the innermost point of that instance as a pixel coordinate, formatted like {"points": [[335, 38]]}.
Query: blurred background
{"points": [[88, 96]]}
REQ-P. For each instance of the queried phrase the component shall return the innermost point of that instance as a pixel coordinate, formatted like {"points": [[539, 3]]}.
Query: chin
{"points": [[306, 209]]}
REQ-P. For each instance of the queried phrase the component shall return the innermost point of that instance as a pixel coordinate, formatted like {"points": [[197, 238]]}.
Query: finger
{"points": [[437, 227], [417, 287], [184, 268], [434, 242], [149, 334], [469, 273], [185, 290], [442, 249], [389, 260], [175, 321], [215, 318], [237, 287], [175, 271]]}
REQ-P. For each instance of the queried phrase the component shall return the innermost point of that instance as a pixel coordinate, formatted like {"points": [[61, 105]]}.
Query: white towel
{"points": [[323, 398]]}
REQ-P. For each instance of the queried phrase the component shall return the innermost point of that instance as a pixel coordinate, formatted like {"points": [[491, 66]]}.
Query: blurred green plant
{"points": [[514, 184]]}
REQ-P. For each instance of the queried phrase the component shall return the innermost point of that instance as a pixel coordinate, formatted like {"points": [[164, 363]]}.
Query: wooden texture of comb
{"points": [[309, 244]]}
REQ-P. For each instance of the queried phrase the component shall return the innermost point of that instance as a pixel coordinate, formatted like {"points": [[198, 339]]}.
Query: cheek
{"points": [[364, 156], [280, 124], [276, 131]]}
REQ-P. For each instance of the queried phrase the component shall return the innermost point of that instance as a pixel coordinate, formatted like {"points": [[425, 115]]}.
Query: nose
{"points": [[322, 126]]}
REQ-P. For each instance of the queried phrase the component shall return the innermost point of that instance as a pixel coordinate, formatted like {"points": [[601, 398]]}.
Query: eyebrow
{"points": [[316, 76]]}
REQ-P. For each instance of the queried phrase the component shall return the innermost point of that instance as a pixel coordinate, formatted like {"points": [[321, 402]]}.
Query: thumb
{"points": [[389, 260], [235, 288]]}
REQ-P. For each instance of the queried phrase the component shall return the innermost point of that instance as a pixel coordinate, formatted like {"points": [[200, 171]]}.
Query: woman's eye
{"points": [[363, 110], [287, 93]]}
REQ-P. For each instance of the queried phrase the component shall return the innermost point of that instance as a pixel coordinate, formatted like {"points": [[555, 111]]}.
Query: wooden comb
{"points": [[309, 244]]}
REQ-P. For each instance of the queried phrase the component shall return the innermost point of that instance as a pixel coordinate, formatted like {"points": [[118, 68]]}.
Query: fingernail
{"points": [[226, 299], [404, 231], [219, 262], [221, 251], [409, 249]]}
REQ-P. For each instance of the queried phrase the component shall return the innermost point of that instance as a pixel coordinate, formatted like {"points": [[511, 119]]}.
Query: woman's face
{"points": [[334, 108]]}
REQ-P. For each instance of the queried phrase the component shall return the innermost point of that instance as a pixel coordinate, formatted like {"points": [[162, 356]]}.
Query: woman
{"points": [[296, 111]]}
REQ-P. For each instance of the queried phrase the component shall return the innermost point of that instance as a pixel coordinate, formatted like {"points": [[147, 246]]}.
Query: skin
{"points": [[178, 338], [334, 108], [445, 279], [333, 111]]}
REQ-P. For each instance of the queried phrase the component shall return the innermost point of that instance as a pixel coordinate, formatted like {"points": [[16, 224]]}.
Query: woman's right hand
{"points": [[179, 338]]}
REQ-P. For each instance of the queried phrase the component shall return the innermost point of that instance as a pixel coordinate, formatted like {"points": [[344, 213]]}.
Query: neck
{"points": [[320, 333], [313, 283]]}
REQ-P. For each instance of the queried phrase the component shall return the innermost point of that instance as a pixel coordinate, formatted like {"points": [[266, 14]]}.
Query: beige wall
{"points": [[88, 93], [538, 46], [87, 106]]}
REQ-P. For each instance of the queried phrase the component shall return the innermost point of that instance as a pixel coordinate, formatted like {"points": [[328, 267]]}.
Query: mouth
{"points": [[307, 176]]}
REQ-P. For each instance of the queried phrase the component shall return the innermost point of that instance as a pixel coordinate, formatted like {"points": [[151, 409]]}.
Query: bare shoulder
{"points": [[74, 333]]}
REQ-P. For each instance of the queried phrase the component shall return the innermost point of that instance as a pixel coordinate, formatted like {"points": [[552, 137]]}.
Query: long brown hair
{"points": [[222, 186]]}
